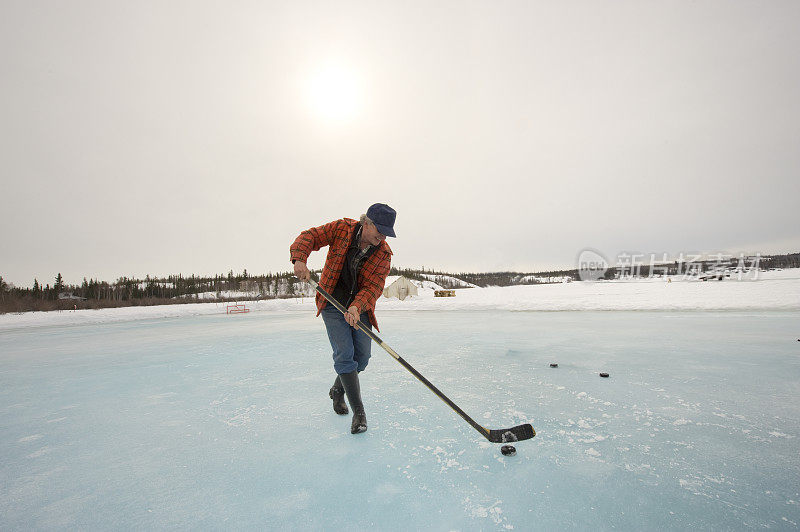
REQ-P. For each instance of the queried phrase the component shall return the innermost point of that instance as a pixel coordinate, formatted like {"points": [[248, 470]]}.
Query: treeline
{"points": [[790, 260], [765, 262], [454, 280], [128, 291], [517, 278]]}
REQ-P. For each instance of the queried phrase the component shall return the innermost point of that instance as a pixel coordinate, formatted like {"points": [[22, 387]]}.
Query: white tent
{"points": [[399, 287]]}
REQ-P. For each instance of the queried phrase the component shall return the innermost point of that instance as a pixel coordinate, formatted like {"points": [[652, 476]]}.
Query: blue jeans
{"points": [[351, 347]]}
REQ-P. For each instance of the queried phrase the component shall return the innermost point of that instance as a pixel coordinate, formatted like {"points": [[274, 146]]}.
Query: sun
{"points": [[335, 93]]}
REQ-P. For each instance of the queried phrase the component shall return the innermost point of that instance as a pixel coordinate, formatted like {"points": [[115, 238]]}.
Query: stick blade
{"points": [[518, 433]]}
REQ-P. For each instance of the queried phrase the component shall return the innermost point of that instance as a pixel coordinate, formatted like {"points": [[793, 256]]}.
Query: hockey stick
{"points": [[518, 433]]}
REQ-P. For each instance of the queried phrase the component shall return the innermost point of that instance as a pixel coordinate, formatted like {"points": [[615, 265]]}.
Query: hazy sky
{"points": [[198, 137]]}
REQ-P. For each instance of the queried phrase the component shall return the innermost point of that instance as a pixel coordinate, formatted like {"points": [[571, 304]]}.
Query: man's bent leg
{"points": [[341, 338], [337, 394], [362, 344]]}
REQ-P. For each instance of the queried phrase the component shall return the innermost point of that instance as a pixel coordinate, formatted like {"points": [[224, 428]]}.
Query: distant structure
{"points": [[444, 293], [236, 308], [399, 287]]}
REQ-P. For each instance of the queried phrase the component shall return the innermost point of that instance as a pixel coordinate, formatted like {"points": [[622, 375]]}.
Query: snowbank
{"points": [[775, 290]]}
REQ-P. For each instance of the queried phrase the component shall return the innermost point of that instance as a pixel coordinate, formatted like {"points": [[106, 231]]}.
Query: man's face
{"points": [[371, 235]]}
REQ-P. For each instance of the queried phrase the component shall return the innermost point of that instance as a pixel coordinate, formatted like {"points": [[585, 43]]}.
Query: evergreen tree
{"points": [[59, 286]]}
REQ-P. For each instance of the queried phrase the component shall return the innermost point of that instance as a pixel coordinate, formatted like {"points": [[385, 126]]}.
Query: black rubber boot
{"points": [[337, 394], [353, 390]]}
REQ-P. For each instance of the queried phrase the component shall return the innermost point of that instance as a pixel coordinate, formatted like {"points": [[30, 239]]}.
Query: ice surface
{"points": [[216, 421]]}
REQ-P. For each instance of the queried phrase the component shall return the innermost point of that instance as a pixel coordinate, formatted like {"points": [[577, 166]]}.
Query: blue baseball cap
{"points": [[383, 217]]}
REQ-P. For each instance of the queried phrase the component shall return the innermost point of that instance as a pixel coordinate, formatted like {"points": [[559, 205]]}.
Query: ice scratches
{"points": [[588, 427], [639, 469], [752, 430], [234, 416], [590, 399], [388, 488], [32, 437], [487, 509], [456, 471], [715, 488], [518, 415], [692, 484], [416, 410], [288, 504], [447, 459], [41, 452], [581, 437], [30, 485], [160, 397], [62, 513], [243, 416]]}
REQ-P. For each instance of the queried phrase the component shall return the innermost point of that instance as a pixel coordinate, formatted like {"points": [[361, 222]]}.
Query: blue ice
{"points": [[223, 422]]}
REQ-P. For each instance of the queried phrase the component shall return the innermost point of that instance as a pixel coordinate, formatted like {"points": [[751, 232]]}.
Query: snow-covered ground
{"points": [[185, 417], [777, 290]]}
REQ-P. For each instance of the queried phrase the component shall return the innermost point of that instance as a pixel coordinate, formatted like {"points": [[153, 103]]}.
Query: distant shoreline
{"points": [[775, 291]]}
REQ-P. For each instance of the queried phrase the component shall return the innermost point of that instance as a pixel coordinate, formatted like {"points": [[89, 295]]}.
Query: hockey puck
{"points": [[508, 450], [604, 374], [553, 365]]}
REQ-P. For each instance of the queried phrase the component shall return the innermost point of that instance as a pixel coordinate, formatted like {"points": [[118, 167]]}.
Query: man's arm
{"points": [[310, 240]]}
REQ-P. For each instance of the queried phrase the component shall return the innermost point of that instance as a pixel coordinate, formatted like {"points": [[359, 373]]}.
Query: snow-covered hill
{"points": [[448, 281]]}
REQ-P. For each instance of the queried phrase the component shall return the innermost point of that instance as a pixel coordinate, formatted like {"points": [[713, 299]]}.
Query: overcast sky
{"points": [[198, 137]]}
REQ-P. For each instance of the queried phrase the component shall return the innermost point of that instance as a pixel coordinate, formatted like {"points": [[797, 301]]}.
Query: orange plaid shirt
{"points": [[371, 276]]}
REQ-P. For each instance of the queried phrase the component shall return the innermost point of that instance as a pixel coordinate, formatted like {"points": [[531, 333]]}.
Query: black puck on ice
{"points": [[508, 450], [604, 374], [553, 365]]}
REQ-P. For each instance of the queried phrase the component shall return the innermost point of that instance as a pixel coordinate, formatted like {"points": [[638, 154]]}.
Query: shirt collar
{"points": [[357, 238]]}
